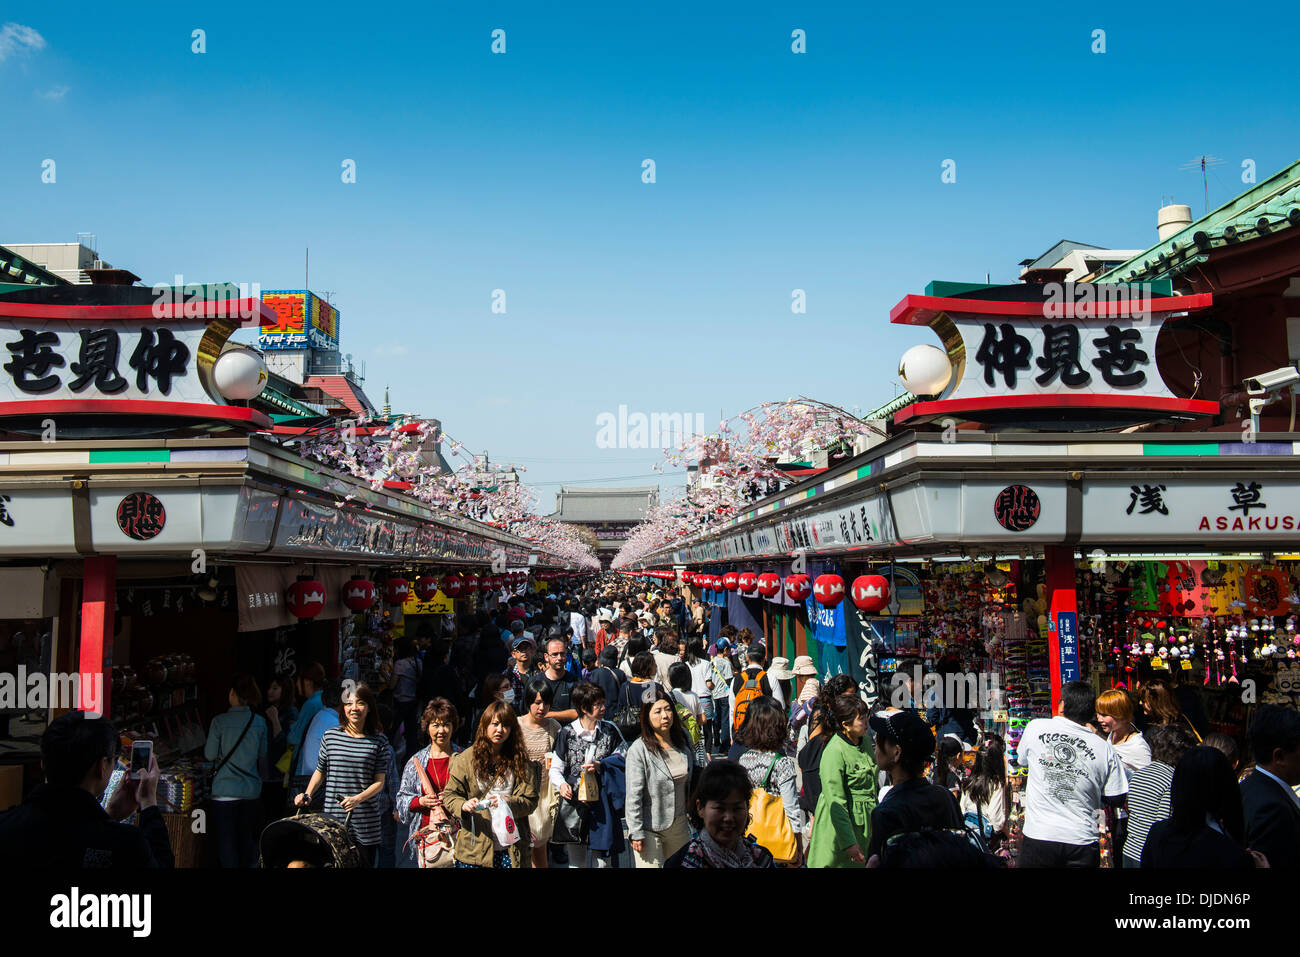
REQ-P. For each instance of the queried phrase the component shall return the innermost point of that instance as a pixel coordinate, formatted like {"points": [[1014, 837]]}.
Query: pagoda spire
{"points": [[388, 408]]}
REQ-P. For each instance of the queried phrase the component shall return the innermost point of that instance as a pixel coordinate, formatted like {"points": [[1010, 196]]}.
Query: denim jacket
{"points": [[240, 776]]}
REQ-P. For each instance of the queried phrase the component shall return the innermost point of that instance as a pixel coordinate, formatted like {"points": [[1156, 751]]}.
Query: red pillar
{"points": [[1062, 618], [98, 594]]}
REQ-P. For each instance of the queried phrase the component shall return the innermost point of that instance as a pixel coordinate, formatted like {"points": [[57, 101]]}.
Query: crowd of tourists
{"points": [[612, 726]]}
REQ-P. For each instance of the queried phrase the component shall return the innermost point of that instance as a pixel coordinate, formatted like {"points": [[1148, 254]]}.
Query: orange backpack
{"points": [[749, 691]]}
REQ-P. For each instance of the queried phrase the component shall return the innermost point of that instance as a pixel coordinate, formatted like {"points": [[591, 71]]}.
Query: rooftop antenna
{"points": [[1203, 163]]}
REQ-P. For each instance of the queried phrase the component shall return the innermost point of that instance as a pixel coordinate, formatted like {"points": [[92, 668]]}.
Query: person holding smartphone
{"points": [[61, 825], [352, 766]]}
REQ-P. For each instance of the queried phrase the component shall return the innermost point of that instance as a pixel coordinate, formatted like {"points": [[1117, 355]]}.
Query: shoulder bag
{"points": [[769, 823], [435, 845], [238, 741]]}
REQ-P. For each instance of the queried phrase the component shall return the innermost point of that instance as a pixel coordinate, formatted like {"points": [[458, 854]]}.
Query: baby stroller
{"points": [[308, 840]]}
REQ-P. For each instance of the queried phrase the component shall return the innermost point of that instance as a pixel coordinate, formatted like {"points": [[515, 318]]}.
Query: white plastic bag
{"points": [[503, 824]]}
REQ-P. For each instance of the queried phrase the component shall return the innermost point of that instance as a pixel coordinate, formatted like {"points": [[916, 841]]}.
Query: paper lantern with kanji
{"points": [[396, 591], [497, 582], [485, 583], [426, 587], [359, 593], [470, 583], [731, 581], [747, 582], [798, 587], [453, 586], [769, 584], [714, 583], [306, 598], [870, 593], [829, 590]]}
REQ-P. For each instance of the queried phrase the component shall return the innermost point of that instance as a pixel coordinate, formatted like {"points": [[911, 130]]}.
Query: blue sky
{"points": [[522, 172]]}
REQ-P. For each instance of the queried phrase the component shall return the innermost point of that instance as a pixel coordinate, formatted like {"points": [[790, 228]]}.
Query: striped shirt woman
{"points": [[353, 764]]}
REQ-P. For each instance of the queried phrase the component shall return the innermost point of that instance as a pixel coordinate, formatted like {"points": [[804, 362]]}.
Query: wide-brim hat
{"points": [[780, 669], [804, 667]]}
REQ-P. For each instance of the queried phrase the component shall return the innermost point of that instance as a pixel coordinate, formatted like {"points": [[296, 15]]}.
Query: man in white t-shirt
{"points": [[1074, 774]]}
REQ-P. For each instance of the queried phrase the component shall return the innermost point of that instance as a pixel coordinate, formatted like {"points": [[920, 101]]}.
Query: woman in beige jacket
{"points": [[494, 770]]}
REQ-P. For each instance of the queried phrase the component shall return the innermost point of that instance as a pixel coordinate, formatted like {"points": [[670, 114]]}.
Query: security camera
{"points": [[1274, 381]]}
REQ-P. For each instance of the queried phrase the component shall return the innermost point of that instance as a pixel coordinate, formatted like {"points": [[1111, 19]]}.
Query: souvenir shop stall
{"points": [[1087, 513], [171, 545]]}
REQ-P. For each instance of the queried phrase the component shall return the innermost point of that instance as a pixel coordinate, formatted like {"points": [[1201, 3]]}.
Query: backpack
{"points": [[690, 721], [749, 691]]}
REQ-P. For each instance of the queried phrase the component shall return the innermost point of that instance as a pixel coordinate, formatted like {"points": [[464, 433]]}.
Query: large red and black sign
{"points": [[1017, 508], [141, 516]]}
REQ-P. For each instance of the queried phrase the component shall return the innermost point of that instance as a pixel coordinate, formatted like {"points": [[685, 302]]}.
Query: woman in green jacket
{"points": [[848, 777]]}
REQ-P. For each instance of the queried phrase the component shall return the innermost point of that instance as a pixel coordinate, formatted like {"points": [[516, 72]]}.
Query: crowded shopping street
{"points": [[592, 441]]}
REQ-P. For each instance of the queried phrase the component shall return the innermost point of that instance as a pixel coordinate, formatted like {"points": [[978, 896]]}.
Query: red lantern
{"points": [[359, 593], [426, 587], [470, 583], [829, 590], [871, 592], [497, 582], [798, 587], [747, 583], [396, 591], [769, 584], [453, 586], [731, 581], [306, 597], [485, 583]]}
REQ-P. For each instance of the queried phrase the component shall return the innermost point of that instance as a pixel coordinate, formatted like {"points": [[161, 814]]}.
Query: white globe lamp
{"points": [[239, 374], [925, 370]]}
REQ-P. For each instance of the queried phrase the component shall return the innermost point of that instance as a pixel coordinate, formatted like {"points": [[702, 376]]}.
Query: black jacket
{"points": [[66, 829], [1204, 847], [913, 805], [1272, 820]]}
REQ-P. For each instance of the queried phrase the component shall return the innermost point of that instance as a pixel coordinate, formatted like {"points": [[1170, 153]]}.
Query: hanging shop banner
{"points": [[825, 625], [440, 604], [1219, 511], [744, 612], [260, 592]]}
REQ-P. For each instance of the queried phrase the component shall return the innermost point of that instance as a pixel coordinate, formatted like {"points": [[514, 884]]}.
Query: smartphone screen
{"points": [[141, 752]]}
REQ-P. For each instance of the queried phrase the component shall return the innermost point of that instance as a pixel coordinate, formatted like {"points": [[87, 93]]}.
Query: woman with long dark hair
{"points": [[984, 797], [353, 765], [539, 734], [494, 771], [812, 743], [280, 710], [660, 768], [1206, 825]]}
